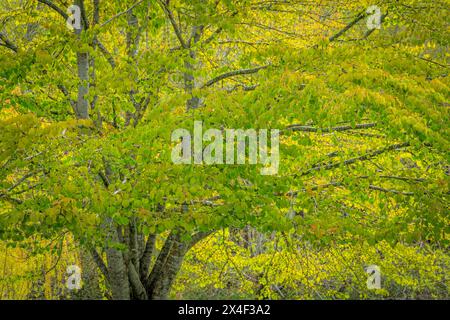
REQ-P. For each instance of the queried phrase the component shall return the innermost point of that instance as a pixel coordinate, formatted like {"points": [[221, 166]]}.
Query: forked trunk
{"points": [[128, 282]]}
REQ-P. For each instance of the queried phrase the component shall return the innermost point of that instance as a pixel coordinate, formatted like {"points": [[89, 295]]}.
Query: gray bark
{"points": [[168, 264], [166, 267], [146, 257], [189, 81], [82, 106], [139, 291], [91, 289], [117, 270]]}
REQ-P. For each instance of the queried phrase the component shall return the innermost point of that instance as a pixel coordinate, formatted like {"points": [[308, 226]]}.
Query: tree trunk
{"points": [[168, 264], [117, 269], [166, 267], [91, 287], [127, 281], [82, 104], [189, 81]]}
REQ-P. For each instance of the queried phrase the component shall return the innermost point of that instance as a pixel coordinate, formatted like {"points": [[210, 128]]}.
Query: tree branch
{"points": [[433, 62], [161, 259], [80, 3], [96, 16], [296, 127], [197, 237], [358, 18], [121, 13], [136, 284], [390, 191], [7, 43], [106, 53], [146, 258], [367, 156], [10, 199], [64, 90], [176, 28], [234, 73], [55, 7], [217, 31], [213, 35], [100, 264], [369, 32]]}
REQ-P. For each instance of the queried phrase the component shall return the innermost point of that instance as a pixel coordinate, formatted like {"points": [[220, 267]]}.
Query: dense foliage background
{"points": [[86, 176]]}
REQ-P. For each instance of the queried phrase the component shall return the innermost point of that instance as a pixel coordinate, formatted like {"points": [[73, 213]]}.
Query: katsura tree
{"points": [[88, 115]]}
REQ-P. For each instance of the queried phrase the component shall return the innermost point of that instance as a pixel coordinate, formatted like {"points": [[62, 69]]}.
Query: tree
{"points": [[93, 156]]}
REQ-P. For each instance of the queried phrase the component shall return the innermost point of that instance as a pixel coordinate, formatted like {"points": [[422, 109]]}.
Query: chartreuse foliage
{"points": [[364, 172], [289, 268]]}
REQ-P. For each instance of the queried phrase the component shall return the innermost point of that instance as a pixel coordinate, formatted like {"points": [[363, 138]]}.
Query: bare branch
{"points": [[146, 258], [21, 180], [244, 87], [10, 199], [197, 237], [100, 264], [213, 35], [174, 24], [232, 74], [7, 43], [433, 62], [55, 7], [96, 17], [250, 43], [296, 127], [106, 53], [358, 18], [121, 13], [403, 178], [64, 90]]}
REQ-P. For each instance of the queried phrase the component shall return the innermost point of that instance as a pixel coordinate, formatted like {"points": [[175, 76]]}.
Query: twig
{"points": [[367, 156], [121, 13], [296, 127]]}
